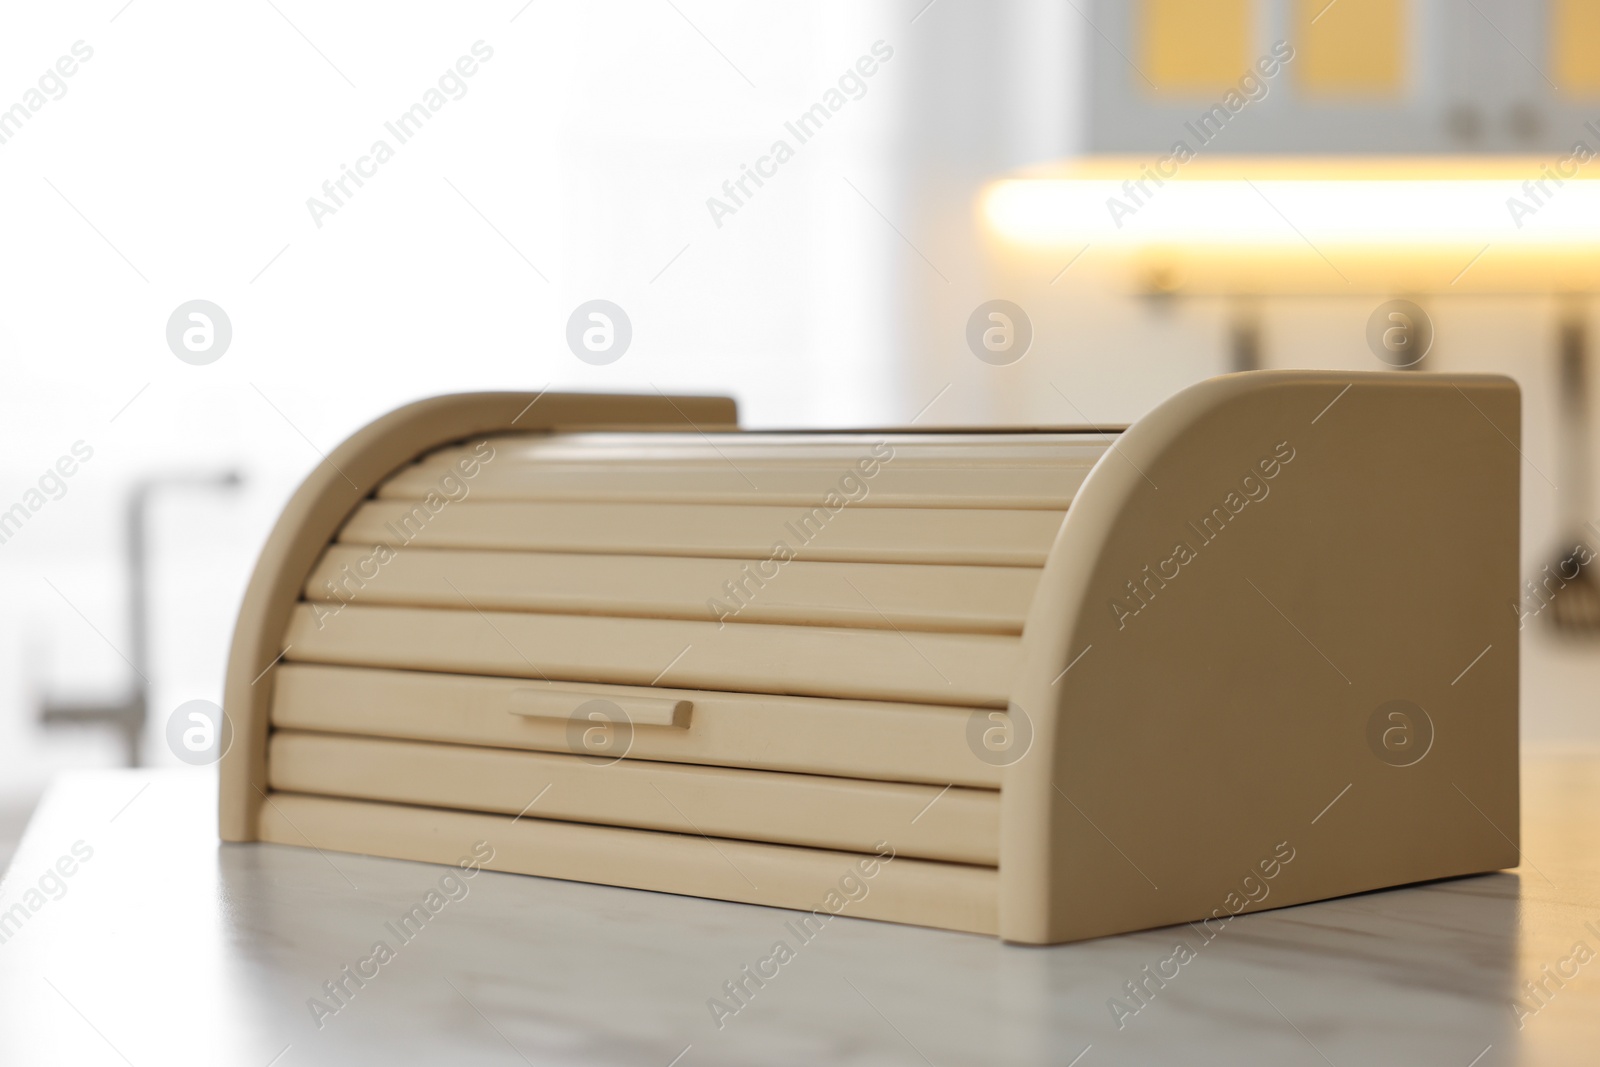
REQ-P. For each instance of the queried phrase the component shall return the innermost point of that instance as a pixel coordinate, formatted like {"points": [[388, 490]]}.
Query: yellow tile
{"points": [[1350, 47], [1575, 45], [1195, 46]]}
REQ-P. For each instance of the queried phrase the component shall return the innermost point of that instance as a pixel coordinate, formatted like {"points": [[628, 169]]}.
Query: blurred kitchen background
{"points": [[975, 162]]}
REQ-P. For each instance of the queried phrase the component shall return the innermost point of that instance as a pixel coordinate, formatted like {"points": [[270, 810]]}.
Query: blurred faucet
{"points": [[127, 716]]}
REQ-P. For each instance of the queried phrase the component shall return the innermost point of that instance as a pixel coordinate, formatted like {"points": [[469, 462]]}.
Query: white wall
{"points": [[187, 147]]}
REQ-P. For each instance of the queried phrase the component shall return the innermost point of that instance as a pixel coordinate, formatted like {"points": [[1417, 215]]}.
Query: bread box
{"points": [[1257, 649]]}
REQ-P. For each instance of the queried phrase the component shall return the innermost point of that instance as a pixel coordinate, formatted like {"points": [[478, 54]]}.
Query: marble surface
{"points": [[165, 947]]}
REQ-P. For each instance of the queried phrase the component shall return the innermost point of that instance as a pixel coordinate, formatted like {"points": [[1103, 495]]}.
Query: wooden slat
{"points": [[874, 595], [849, 738], [920, 892], [1046, 488], [959, 825], [810, 449], [932, 668], [850, 535], [940, 471]]}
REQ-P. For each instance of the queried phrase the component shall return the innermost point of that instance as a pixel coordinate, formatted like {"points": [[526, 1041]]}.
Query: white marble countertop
{"points": [[158, 945]]}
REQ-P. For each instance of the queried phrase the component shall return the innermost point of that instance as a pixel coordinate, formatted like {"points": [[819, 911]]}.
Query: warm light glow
{"points": [[1241, 212], [1301, 224]]}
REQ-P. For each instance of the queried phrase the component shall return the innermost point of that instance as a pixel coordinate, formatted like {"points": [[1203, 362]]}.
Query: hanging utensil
{"points": [[1571, 583]]}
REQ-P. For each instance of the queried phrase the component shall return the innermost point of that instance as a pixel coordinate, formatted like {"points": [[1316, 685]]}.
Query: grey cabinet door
{"points": [[1543, 107], [1477, 77]]}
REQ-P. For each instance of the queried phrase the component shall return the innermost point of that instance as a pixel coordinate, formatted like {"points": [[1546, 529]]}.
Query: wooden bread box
{"points": [[1045, 684]]}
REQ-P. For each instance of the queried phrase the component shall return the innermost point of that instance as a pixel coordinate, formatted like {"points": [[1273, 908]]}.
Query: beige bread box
{"points": [[1257, 649]]}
